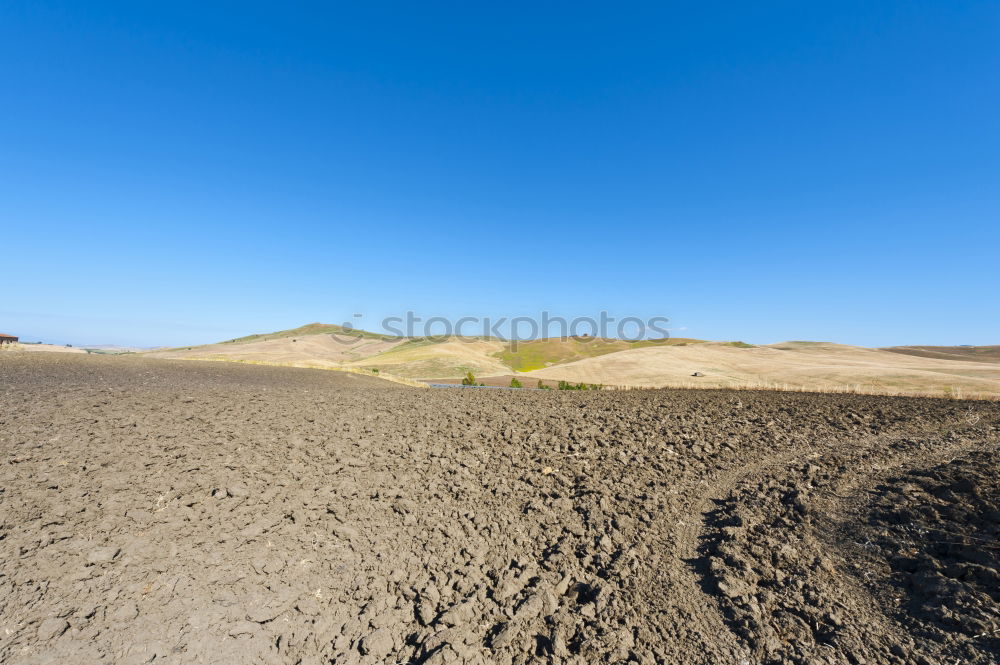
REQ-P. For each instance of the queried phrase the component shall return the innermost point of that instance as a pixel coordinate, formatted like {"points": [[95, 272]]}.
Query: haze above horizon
{"points": [[183, 173]]}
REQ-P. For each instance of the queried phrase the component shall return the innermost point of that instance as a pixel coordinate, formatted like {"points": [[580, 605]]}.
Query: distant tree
{"points": [[566, 385], [375, 370], [514, 383], [469, 380]]}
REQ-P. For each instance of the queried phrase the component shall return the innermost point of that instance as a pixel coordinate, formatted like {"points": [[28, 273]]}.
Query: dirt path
{"points": [[175, 512]]}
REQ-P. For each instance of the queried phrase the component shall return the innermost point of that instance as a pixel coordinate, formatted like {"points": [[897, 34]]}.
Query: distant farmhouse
{"points": [[7, 339]]}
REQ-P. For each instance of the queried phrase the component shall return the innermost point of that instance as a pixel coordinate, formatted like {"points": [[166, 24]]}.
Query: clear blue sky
{"points": [[183, 172]]}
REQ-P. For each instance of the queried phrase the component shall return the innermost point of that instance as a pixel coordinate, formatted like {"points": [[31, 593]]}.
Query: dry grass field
{"points": [[37, 348], [452, 358], [332, 350], [818, 366], [791, 365]]}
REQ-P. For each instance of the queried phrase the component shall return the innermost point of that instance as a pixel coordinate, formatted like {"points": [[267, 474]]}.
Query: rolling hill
{"points": [[313, 345], [423, 358], [955, 371], [528, 355], [790, 365], [986, 354]]}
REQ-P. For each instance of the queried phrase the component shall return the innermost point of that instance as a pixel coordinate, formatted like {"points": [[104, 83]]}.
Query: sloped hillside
{"points": [[311, 329], [314, 344], [429, 358], [524, 356], [986, 354], [822, 366], [802, 365]]}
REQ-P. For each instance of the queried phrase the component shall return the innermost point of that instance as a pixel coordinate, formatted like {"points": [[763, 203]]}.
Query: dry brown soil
{"points": [[182, 512]]}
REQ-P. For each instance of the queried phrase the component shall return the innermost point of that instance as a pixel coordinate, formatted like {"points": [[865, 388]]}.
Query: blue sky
{"points": [[180, 172]]}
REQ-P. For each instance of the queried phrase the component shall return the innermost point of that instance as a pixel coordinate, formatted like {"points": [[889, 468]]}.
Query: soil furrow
{"points": [[184, 512]]}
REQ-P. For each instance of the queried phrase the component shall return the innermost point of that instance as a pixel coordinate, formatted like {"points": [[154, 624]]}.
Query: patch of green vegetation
{"points": [[514, 383], [469, 380], [566, 385], [741, 345]]}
